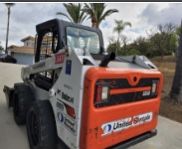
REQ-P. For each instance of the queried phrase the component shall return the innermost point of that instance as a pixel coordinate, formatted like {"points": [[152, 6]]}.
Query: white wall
{"points": [[26, 59], [29, 43]]}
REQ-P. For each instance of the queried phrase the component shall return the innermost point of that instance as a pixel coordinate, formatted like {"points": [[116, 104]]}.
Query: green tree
{"points": [[120, 26], [130, 52], [160, 43], [163, 42], [74, 13], [142, 45], [112, 47], [97, 12]]}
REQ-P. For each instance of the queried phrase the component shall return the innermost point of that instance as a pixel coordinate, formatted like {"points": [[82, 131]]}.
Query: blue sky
{"points": [[143, 16]]}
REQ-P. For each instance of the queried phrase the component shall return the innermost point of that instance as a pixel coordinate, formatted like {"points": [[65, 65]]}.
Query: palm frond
{"points": [[108, 13], [97, 13], [63, 14], [127, 24], [74, 12], [120, 25], [83, 16]]}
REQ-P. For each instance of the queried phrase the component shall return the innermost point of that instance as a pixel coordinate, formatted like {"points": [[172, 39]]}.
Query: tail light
{"points": [[102, 93], [70, 111], [154, 87], [105, 92]]}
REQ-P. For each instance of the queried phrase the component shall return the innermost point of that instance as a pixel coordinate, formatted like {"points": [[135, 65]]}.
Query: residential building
{"points": [[24, 54]]}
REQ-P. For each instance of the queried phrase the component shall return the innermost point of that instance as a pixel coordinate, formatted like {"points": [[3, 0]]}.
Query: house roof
{"points": [[25, 50], [12, 46], [30, 50], [28, 38]]}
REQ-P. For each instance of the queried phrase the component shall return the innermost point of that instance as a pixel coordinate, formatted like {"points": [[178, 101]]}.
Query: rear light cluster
{"points": [[154, 88], [112, 92], [102, 93]]}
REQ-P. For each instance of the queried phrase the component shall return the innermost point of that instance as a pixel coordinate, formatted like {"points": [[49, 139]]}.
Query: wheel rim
{"points": [[34, 128]]}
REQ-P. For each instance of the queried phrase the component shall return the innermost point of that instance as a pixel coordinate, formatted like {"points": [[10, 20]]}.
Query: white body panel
{"points": [[72, 86]]}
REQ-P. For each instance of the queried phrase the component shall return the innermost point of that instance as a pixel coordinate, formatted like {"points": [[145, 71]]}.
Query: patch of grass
{"points": [[167, 67]]}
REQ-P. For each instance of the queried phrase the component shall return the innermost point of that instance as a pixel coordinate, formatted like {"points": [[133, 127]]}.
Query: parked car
{"points": [[7, 59]]}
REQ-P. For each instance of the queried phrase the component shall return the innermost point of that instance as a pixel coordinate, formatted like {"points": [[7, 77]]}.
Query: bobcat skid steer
{"points": [[77, 93]]}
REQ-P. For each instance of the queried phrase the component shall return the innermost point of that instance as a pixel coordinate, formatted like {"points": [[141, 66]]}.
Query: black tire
{"points": [[41, 126], [22, 100]]}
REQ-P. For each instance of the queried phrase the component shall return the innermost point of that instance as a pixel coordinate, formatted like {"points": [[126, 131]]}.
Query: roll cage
{"points": [[58, 28]]}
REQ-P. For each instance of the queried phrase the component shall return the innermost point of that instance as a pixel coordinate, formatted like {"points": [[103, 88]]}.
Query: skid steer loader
{"points": [[79, 94]]}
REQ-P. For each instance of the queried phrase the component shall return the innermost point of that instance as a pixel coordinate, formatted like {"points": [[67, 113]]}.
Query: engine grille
{"points": [[125, 97]]}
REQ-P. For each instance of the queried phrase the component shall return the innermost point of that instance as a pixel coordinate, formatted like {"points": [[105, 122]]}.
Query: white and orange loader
{"points": [[77, 93]]}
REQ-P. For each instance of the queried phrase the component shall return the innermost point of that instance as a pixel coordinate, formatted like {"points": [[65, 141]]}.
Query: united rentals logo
{"points": [[126, 123], [70, 124]]}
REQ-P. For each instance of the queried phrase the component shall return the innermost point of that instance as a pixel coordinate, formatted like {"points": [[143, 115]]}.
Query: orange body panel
{"points": [[93, 118]]}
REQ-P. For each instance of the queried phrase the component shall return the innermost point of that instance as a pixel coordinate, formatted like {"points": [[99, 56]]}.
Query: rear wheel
{"points": [[41, 127]]}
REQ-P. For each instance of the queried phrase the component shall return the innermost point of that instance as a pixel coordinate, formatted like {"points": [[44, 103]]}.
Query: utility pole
{"points": [[9, 5]]}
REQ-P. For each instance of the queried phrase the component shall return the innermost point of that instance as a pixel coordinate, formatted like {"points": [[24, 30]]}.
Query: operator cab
{"points": [[56, 34]]}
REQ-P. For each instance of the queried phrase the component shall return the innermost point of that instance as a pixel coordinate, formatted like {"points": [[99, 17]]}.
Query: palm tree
{"points": [[120, 26], [74, 13], [97, 12]]}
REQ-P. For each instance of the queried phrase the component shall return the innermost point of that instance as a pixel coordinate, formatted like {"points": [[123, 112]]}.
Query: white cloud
{"points": [[143, 17], [24, 18], [131, 12], [154, 15], [127, 12]]}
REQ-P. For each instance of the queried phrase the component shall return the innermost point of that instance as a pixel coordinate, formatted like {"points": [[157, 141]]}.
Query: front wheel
{"points": [[22, 100], [19, 108], [41, 127]]}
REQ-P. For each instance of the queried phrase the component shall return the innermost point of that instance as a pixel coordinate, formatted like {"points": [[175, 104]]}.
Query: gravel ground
{"points": [[14, 137]]}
